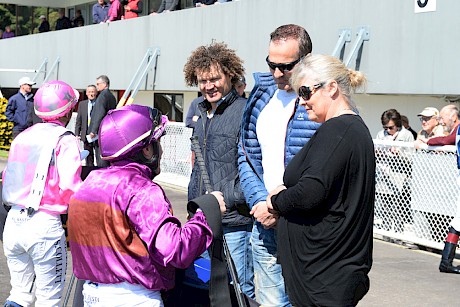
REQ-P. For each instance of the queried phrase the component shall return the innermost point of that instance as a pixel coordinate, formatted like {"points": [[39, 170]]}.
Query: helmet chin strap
{"points": [[151, 163]]}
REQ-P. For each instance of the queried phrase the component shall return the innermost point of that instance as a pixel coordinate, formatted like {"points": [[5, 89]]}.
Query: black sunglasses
{"points": [[306, 91], [282, 67], [388, 127]]}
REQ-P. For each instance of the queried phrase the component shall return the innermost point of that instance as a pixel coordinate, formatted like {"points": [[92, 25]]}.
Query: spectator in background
{"points": [[429, 118], [1, 33], [85, 110], [392, 127], [20, 107], [63, 22], [396, 206], [44, 25], [167, 6], [104, 102], [133, 9], [405, 123], [449, 120], [100, 11], [193, 113], [450, 245], [115, 11], [240, 86], [8, 33], [78, 20], [201, 3]]}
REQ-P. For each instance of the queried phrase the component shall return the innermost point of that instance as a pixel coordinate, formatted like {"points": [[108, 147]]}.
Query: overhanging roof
{"points": [[46, 3]]}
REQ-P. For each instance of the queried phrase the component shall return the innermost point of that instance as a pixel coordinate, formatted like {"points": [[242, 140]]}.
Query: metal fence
{"points": [[176, 165], [416, 190]]}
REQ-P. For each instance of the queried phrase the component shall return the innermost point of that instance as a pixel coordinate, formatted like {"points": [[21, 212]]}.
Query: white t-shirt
{"points": [[271, 133]]}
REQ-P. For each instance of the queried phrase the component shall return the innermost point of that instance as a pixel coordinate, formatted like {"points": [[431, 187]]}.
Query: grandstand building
{"points": [[407, 49]]}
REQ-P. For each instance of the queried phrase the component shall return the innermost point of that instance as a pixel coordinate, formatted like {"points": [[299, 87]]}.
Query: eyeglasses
{"points": [[388, 127], [282, 67], [305, 92], [426, 118]]}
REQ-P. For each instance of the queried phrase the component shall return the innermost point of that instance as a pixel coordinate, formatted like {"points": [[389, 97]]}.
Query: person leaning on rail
{"points": [[450, 246], [393, 129], [448, 118]]}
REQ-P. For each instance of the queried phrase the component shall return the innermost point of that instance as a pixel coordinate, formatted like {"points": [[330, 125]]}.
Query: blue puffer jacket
{"points": [[299, 130], [218, 138]]}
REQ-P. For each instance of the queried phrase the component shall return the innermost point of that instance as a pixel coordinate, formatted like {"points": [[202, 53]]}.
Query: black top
{"points": [[326, 216], [44, 26], [104, 103], [63, 23], [413, 132]]}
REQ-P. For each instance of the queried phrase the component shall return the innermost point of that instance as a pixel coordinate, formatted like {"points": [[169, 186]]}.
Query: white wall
{"points": [[407, 53]]}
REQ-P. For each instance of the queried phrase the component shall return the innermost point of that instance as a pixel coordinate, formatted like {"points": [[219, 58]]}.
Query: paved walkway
{"points": [[399, 277]]}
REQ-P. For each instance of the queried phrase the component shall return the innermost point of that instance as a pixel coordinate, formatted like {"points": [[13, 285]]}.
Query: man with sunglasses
{"points": [[431, 127], [274, 129], [450, 121]]}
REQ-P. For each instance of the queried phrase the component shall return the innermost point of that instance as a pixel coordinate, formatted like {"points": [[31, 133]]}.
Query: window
{"points": [[171, 105]]}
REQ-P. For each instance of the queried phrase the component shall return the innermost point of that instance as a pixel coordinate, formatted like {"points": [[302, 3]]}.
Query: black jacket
{"points": [[81, 125], [104, 103], [19, 111], [218, 138]]}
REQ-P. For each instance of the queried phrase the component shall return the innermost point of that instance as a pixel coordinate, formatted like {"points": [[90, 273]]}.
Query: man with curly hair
{"points": [[215, 69], [275, 127]]}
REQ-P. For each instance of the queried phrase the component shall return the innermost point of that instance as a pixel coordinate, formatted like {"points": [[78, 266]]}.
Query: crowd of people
{"points": [[107, 11], [288, 174], [439, 128]]}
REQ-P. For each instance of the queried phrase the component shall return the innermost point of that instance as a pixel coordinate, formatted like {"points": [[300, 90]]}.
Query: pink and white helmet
{"points": [[54, 99]]}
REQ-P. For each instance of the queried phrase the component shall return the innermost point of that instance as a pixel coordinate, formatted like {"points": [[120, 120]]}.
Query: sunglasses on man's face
{"points": [[282, 67], [426, 118], [305, 92], [388, 127]]}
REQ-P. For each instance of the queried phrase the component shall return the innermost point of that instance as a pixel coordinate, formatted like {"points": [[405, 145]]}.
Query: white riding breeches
{"points": [[36, 253]]}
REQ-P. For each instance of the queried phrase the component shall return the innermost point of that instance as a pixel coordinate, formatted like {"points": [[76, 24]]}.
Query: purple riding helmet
{"points": [[54, 99], [125, 131]]}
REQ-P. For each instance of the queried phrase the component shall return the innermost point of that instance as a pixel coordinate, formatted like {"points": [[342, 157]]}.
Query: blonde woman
{"points": [[326, 204]]}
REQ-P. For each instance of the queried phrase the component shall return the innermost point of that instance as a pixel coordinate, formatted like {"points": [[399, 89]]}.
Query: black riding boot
{"points": [[448, 253]]}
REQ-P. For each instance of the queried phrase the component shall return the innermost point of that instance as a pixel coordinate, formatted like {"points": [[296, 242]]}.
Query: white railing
{"points": [[176, 165], [416, 190]]}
